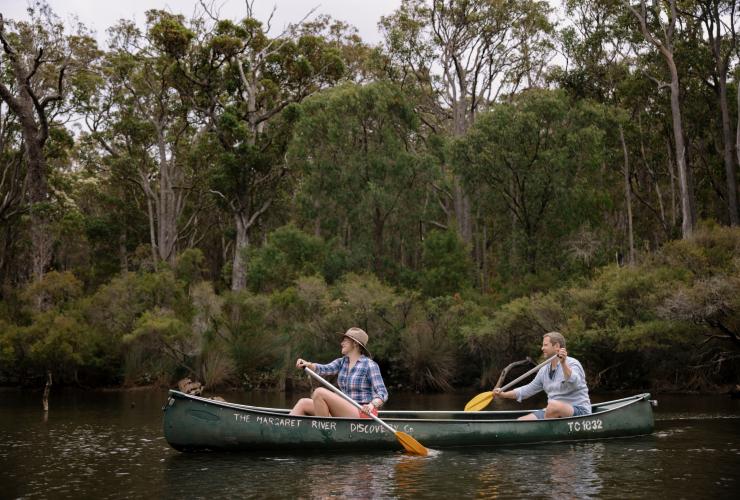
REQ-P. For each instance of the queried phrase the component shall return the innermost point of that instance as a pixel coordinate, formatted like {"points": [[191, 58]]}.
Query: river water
{"points": [[110, 445]]}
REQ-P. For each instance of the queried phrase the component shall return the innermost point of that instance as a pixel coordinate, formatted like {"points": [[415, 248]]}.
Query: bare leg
{"points": [[328, 404], [531, 416], [558, 409], [304, 406]]}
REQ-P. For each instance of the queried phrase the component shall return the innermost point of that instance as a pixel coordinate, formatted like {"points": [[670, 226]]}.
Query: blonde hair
{"points": [[555, 338]]}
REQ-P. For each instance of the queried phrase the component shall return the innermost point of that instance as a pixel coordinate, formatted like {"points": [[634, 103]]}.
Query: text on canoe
{"points": [[285, 422], [585, 425], [273, 421]]}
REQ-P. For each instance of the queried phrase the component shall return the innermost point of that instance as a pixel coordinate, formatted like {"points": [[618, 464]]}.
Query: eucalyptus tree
{"points": [[658, 23], [598, 45], [39, 64], [597, 67], [465, 54], [357, 149], [258, 77], [719, 18], [143, 122], [539, 156], [13, 180]]}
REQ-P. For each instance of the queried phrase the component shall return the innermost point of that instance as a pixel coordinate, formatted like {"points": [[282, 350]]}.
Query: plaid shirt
{"points": [[363, 384]]}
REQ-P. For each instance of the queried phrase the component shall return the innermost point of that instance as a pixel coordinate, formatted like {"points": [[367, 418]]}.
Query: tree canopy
{"points": [[209, 197]]}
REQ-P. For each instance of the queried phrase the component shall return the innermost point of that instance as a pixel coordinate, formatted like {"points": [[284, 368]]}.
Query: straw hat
{"points": [[358, 335]]}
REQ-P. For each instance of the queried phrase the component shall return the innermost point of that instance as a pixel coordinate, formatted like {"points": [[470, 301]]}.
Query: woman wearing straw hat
{"points": [[358, 377]]}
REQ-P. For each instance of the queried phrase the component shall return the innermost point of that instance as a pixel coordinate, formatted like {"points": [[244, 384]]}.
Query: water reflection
{"points": [[407, 473], [574, 472], [560, 470], [99, 445], [336, 475]]}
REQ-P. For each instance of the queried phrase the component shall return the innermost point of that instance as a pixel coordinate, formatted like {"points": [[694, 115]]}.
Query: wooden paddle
{"points": [[484, 398], [410, 444]]}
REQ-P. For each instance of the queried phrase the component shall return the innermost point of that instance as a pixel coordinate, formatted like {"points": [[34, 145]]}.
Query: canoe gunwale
{"points": [[194, 423], [411, 415]]}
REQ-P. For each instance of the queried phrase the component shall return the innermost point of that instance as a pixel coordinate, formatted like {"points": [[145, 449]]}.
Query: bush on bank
{"points": [[669, 323]]}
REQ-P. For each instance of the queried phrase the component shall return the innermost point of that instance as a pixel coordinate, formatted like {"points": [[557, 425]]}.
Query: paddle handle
{"points": [[530, 372], [329, 385]]}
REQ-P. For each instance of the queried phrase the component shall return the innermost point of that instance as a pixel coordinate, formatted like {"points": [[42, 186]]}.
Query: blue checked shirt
{"points": [[363, 384]]}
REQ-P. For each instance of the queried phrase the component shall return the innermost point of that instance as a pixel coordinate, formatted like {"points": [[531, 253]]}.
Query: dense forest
{"points": [[213, 198]]}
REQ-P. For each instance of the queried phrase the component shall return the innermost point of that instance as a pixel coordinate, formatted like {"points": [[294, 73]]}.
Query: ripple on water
{"points": [[695, 416], [111, 457]]}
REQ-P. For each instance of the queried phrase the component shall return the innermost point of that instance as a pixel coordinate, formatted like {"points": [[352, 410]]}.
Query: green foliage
{"points": [[354, 146], [713, 250], [55, 291], [288, 254], [254, 347], [162, 334], [513, 332], [116, 307], [57, 342], [189, 266], [168, 33], [55, 337], [447, 266], [433, 342], [536, 158], [208, 139]]}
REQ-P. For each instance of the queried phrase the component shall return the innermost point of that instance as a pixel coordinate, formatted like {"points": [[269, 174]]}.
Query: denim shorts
{"points": [[577, 412]]}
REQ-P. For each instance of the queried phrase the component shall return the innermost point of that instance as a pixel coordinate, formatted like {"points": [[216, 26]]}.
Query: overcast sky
{"points": [[101, 14]]}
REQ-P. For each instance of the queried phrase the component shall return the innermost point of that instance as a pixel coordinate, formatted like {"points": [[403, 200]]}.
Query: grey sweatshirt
{"points": [[572, 391]]}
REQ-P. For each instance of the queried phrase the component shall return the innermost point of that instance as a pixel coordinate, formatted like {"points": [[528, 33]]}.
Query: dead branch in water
{"points": [[505, 371]]}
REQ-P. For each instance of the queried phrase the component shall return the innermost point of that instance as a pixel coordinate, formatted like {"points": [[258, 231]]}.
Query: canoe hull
{"points": [[192, 423]]}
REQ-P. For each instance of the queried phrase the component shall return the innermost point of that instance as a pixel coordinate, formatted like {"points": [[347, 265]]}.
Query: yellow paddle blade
{"points": [[411, 444], [480, 401]]}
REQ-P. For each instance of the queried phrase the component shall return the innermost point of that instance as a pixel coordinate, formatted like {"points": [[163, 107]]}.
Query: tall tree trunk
{"points": [[239, 268], [669, 157], [243, 222], [728, 146], [461, 199], [628, 196], [684, 175], [665, 47], [484, 260], [458, 216], [169, 204], [38, 193], [462, 212], [31, 110], [378, 228], [122, 252], [737, 133], [722, 45]]}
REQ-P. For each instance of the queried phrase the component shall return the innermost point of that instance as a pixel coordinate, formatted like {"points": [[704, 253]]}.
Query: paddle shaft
{"points": [[530, 372], [328, 385]]}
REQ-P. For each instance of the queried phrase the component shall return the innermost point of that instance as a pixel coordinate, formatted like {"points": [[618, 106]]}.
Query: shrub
{"points": [[447, 268], [164, 335], [289, 253], [54, 290]]}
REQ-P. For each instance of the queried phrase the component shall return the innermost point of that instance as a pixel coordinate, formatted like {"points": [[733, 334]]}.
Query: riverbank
{"points": [[732, 391]]}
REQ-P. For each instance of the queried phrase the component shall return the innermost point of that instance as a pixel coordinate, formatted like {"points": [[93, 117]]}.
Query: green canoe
{"points": [[193, 423]]}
